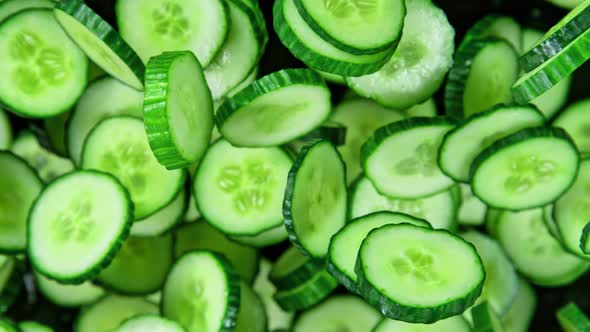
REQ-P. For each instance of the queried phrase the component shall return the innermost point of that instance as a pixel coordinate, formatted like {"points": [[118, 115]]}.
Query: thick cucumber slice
{"points": [[11, 280], [532, 249], [345, 245], [81, 214], [440, 210], [103, 44], [202, 293], [346, 312], [201, 236], [275, 109], [48, 165], [119, 146], [464, 143], [44, 72], [482, 75], [521, 312], [239, 190], [149, 322], [503, 27], [164, 220], [155, 26], [18, 189], [110, 311], [451, 324], [177, 109], [418, 275], [8, 326], [472, 211], [572, 318], [277, 317], [309, 47], [361, 117], [267, 238], [419, 64], [525, 170], [5, 131], [29, 326], [68, 295], [315, 199], [293, 268], [309, 293], [485, 319], [104, 98], [574, 120], [357, 27], [11, 7], [251, 316], [400, 158], [501, 284]]}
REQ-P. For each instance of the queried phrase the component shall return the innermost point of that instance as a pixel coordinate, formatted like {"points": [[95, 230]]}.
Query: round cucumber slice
{"points": [[69, 296], [574, 120], [164, 220], [154, 323], [109, 312], [451, 324]]}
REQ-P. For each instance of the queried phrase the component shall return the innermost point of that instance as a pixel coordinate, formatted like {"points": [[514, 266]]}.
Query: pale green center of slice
{"points": [[423, 162], [75, 223], [541, 245], [248, 183], [170, 21], [126, 162], [527, 171], [416, 263], [196, 305], [348, 8], [408, 54]]}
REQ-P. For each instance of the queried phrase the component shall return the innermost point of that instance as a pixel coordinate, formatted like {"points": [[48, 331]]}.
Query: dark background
{"points": [[462, 14]]}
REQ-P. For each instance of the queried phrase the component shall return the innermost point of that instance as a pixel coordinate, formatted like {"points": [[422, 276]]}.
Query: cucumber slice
{"points": [[267, 238], [177, 109], [344, 312], [418, 66], [361, 117], [471, 136], [68, 295], [251, 316], [440, 209], [11, 7], [293, 268], [277, 317], [532, 248], [162, 221], [400, 158], [275, 109], [155, 26], [485, 319], [7, 325], [574, 120], [109, 312], [356, 27], [345, 245], [202, 293], [418, 275], [48, 165], [451, 324], [309, 293], [17, 194], [29, 326], [572, 318], [81, 214], [11, 280], [149, 322], [309, 47], [498, 26], [521, 312], [525, 170], [44, 71], [103, 44], [55, 128], [472, 211], [315, 199], [239, 190], [501, 284], [5, 131], [481, 77], [426, 109], [119, 146], [201, 236]]}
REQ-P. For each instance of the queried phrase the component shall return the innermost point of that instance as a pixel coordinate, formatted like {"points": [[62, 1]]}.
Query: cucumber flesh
{"points": [[573, 120], [251, 315], [503, 27], [472, 211], [521, 312], [109, 312], [265, 239], [451, 324], [11, 7], [69, 295], [162, 221], [149, 323]]}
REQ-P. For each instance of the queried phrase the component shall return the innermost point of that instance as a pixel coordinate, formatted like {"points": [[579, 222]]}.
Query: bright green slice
{"points": [[575, 121]]}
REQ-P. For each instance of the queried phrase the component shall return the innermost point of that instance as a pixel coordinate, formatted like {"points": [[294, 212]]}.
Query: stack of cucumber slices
{"points": [[153, 178]]}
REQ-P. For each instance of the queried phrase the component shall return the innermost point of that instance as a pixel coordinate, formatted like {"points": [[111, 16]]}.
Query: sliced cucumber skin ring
{"points": [[314, 290]]}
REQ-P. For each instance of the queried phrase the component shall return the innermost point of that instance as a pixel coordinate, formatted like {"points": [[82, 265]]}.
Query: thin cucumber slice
{"points": [[119, 146], [29, 326], [315, 201], [44, 71], [311, 292], [293, 268], [17, 194], [498, 26], [532, 249], [400, 158], [356, 27], [525, 170], [567, 4], [451, 324], [149, 322], [201, 236], [425, 109], [162, 221], [103, 44], [420, 62], [418, 275], [7, 325], [11, 280], [56, 130], [155, 26], [177, 109], [104, 98], [275, 109], [471, 136], [482, 76], [574, 120], [472, 211], [521, 312], [5, 131], [345, 245], [68, 295], [361, 117], [251, 315], [48, 165], [267, 238], [501, 284], [309, 47], [440, 210], [202, 293], [344, 312], [81, 214], [11, 7], [277, 317], [485, 319], [572, 318], [109, 312]]}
